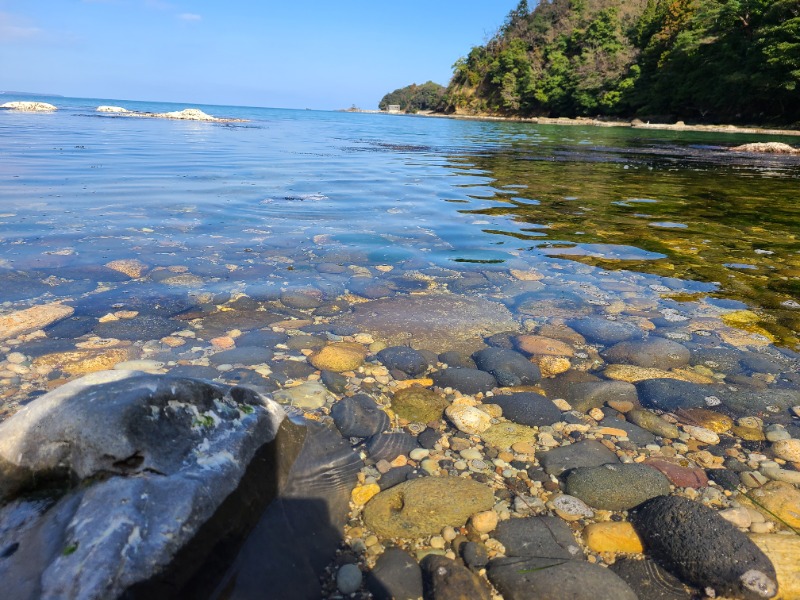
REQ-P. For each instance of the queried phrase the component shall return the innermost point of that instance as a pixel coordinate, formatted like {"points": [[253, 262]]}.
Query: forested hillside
{"points": [[413, 98], [699, 60]]}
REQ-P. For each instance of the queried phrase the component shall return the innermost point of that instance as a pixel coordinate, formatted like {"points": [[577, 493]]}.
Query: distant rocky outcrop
{"points": [[766, 147], [29, 106], [187, 114], [112, 109], [128, 484]]}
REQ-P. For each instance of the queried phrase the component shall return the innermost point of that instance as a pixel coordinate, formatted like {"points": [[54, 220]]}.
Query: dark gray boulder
{"points": [[396, 576], [445, 579], [528, 408], [508, 367], [703, 549], [671, 394], [653, 352], [468, 381], [598, 330], [403, 358], [518, 578]]}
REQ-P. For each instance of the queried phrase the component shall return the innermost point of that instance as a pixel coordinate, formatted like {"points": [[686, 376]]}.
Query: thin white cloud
{"points": [[15, 29], [189, 17]]}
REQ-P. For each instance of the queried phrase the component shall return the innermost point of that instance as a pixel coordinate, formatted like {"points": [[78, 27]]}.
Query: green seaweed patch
{"points": [[71, 549]]}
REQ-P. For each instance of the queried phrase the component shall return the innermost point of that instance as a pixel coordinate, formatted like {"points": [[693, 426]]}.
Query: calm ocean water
{"points": [[265, 202]]}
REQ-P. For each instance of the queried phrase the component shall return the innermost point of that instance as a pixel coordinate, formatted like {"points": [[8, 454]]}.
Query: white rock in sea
{"points": [[29, 106], [188, 114], [111, 109]]}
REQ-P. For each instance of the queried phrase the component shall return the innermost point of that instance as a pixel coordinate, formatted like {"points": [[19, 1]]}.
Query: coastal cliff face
{"points": [[715, 60]]}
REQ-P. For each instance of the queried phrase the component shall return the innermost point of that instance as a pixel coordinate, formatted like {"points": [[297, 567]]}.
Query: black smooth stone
{"points": [[509, 367], [467, 381], [445, 579], [405, 359], [359, 416], [395, 576], [528, 408]]}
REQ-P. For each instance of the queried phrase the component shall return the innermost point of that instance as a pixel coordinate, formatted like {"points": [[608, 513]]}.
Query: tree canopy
{"points": [[720, 60], [413, 98]]}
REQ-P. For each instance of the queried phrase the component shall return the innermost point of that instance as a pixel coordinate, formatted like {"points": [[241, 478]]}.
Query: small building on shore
{"points": [[393, 108]]}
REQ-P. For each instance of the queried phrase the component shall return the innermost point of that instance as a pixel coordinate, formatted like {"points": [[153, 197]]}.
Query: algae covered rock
{"points": [[424, 506]]}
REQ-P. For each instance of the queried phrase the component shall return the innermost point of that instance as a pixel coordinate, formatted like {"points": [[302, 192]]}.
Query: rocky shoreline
{"points": [[634, 124], [583, 455]]}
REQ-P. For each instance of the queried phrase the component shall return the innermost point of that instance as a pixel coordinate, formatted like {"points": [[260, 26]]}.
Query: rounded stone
{"points": [[528, 408], [418, 404], [701, 434], [602, 331], [612, 537], [537, 345], [781, 500], [344, 356], [467, 381], [468, 418], [710, 419], [403, 358], [571, 508], [653, 352], [484, 521], [550, 366], [616, 487], [364, 493], [359, 416], [302, 299], [509, 368], [787, 450], [423, 507], [348, 579], [652, 422], [504, 435], [396, 576], [556, 579], [703, 549]]}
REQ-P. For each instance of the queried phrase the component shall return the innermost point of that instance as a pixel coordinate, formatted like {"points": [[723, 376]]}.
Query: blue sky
{"points": [[294, 54]]}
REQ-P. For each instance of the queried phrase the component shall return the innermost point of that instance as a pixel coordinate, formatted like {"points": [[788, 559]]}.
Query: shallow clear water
{"points": [[244, 206]]}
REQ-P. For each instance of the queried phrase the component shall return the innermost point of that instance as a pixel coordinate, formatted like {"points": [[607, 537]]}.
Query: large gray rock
{"points": [[152, 484], [616, 487], [519, 578], [509, 367], [653, 352], [437, 322]]}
